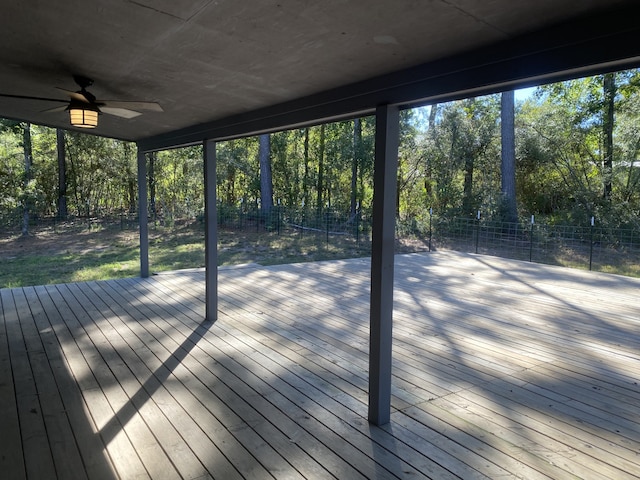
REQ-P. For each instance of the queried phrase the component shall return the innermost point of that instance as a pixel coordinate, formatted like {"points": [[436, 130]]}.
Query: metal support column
{"points": [[143, 219], [382, 258], [211, 232]]}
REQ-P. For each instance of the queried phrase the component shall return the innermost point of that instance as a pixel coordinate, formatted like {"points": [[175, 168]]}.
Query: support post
{"points": [[211, 232], [143, 219], [382, 263]]}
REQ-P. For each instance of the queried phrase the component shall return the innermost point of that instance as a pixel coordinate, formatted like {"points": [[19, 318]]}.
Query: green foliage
{"points": [[11, 175], [461, 158], [449, 160], [179, 184], [101, 173], [562, 156], [237, 171]]}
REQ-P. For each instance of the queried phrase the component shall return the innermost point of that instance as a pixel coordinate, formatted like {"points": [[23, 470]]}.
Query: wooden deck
{"points": [[502, 369]]}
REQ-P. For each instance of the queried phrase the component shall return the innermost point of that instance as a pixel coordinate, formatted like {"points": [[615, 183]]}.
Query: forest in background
{"points": [[575, 148]]}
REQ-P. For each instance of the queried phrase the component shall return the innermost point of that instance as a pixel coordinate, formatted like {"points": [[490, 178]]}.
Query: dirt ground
{"points": [[79, 238], [56, 240]]}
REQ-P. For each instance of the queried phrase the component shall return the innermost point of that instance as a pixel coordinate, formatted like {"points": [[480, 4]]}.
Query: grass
{"points": [[76, 253], [67, 255], [44, 269]]}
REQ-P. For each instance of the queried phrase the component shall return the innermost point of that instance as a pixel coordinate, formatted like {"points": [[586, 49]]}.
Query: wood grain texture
{"points": [[501, 369]]}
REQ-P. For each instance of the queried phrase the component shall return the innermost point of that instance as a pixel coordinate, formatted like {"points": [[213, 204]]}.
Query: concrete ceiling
{"points": [[207, 62]]}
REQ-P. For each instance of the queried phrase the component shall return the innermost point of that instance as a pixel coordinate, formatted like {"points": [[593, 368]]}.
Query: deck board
{"points": [[11, 452], [37, 455], [502, 369]]}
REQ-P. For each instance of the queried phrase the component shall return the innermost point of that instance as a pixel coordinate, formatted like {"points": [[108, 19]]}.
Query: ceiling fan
{"points": [[84, 108]]}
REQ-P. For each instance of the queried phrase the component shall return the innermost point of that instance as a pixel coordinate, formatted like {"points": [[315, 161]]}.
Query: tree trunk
{"points": [[431, 134], [151, 175], [320, 172], [26, 147], [508, 157], [266, 182], [357, 142], [467, 194], [132, 183], [62, 175], [305, 178], [609, 88], [433, 113]]}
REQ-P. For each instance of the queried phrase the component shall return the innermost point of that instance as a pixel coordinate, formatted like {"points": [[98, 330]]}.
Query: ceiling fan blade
{"points": [[119, 112], [75, 95], [148, 106], [56, 109], [26, 97]]}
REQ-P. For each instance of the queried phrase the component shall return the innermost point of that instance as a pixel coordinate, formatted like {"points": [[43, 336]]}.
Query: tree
{"points": [[305, 176], [609, 93], [151, 176], [11, 171], [357, 152], [238, 171], [287, 166], [410, 201], [179, 184], [62, 174], [28, 158], [574, 125], [320, 187], [508, 157]]}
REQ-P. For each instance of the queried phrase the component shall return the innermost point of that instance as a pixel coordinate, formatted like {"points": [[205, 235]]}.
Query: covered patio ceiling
{"points": [[223, 68]]}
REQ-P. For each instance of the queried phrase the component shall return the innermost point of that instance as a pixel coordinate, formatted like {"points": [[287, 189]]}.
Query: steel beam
{"points": [[382, 259], [211, 232], [143, 214]]}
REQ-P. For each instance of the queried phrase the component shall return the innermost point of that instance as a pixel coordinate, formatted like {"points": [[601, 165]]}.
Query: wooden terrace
{"points": [[502, 369]]}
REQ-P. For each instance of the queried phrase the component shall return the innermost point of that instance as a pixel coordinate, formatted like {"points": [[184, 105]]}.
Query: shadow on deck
{"points": [[501, 369]]}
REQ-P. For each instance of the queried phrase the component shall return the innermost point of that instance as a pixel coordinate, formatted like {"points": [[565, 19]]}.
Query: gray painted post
{"points": [[382, 257], [210, 232], [143, 220]]}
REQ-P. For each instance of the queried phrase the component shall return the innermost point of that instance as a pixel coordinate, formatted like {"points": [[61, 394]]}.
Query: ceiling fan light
{"points": [[83, 116]]}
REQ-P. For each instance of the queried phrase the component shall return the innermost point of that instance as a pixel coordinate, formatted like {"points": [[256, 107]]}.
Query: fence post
{"points": [[358, 227], [430, 232], [531, 239], [278, 219], [327, 222], [258, 216], [477, 230]]}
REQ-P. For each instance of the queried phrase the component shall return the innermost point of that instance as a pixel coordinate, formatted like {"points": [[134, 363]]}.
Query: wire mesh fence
{"points": [[588, 246], [593, 247], [326, 225]]}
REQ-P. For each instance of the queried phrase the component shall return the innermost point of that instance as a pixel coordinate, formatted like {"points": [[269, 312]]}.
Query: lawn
{"points": [[74, 253], [81, 251]]}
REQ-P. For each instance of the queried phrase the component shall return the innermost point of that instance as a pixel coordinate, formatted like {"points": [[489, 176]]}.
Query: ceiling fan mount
{"points": [[82, 81]]}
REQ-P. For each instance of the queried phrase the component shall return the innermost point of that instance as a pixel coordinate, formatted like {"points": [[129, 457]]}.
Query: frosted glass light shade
{"points": [[83, 117]]}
